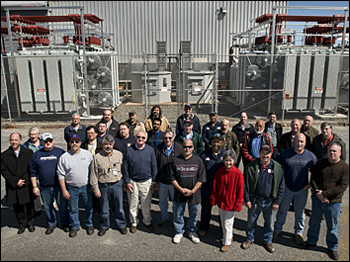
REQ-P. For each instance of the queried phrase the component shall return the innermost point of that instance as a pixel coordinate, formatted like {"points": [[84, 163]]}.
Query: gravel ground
{"points": [[157, 245]]}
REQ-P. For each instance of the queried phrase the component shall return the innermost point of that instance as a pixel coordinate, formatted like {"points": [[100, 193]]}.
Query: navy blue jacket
{"points": [[207, 132]]}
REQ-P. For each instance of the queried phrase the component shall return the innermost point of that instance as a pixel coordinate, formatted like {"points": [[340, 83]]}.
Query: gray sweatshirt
{"points": [[74, 168]]}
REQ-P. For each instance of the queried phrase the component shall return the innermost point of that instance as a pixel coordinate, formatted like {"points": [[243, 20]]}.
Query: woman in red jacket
{"points": [[227, 192]]}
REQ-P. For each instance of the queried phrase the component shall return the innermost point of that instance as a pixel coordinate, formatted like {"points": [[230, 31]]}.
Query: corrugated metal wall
{"points": [[137, 25]]}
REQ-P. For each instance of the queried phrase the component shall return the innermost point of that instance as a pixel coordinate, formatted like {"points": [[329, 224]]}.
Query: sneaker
{"points": [[246, 244], [269, 247], [73, 232], [202, 233], [50, 230], [90, 230], [224, 248], [194, 237], [177, 238], [299, 239], [162, 222], [333, 254], [275, 235]]}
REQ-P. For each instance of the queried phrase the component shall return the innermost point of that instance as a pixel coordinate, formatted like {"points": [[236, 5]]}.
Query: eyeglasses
{"points": [[168, 138], [74, 142], [187, 146], [141, 137], [49, 140]]}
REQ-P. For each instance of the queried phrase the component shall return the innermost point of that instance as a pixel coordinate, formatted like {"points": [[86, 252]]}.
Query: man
{"points": [[188, 115], [241, 129], [102, 130], [75, 128], [156, 112], [308, 129], [34, 144], [134, 124], [92, 144], [112, 125], [230, 140], [43, 165], [165, 155], [124, 139], [213, 160], [14, 169], [188, 133], [140, 171], [287, 139], [297, 161], [107, 184], [329, 180], [253, 142], [155, 136], [322, 141], [210, 128], [73, 177], [274, 130], [34, 141], [263, 192], [187, 175]]}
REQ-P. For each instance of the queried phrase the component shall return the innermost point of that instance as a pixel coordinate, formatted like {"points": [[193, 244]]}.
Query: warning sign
{"points": [[319, 90], [40, 91]]}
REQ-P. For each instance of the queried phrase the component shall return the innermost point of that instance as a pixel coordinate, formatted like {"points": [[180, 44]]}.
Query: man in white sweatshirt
{"points": [[73, 176]]}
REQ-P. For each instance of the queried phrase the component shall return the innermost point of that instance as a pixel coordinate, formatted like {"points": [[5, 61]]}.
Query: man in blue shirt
{"points": [[44, 164], [210, 128], [212, 158], [297, 161]]}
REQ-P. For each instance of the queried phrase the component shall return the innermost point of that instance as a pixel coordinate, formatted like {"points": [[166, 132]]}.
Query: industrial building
{"points": [[232, 55]]}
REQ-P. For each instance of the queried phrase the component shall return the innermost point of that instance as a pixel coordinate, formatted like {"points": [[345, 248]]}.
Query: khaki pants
{"points": [[141, 189]]}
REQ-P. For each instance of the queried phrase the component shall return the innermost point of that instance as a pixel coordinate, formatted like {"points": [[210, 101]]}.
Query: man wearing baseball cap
{"points": [[43, 165], [73, 176], [263, 192], [210, 128], [134, 124], [189, 133], [188, 115]]}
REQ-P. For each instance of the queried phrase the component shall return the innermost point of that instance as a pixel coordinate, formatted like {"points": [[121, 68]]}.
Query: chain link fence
{"points": [[255, 82]]}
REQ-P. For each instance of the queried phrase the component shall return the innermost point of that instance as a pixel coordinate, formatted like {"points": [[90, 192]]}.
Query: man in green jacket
{"points": [[263, 192], [188, 133]]}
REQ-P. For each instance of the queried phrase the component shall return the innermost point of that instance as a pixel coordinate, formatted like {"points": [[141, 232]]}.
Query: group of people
{"points": [[193, 165]]}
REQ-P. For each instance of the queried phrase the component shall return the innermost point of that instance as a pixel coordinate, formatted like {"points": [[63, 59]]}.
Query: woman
{"points": [[227, 192]]}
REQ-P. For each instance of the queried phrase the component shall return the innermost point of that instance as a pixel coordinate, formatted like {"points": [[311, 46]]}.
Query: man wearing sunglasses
{"points": [[73, 177], [43, 165], [187, 174], [165, 154], [140, 170]]}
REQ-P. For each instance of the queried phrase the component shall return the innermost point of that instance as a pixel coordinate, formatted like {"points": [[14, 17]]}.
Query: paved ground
{"points": [[157, 245]]}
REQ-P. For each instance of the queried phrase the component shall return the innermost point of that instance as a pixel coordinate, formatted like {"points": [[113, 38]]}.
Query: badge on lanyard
{"points": [[115, 171]]}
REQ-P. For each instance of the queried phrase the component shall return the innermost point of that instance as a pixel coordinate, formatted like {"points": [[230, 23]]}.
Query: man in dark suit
{"points": [[14, 169]]}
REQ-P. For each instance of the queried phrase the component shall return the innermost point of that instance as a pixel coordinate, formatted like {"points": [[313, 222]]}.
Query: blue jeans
{"points": [[164, 191], [259, 206], [112, 195], [73, 202], [179, 222], [47, 195], [300, 199], [332, 213]]}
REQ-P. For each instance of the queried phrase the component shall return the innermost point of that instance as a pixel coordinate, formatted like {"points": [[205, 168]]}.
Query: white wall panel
{"points": [[137, 25]]}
